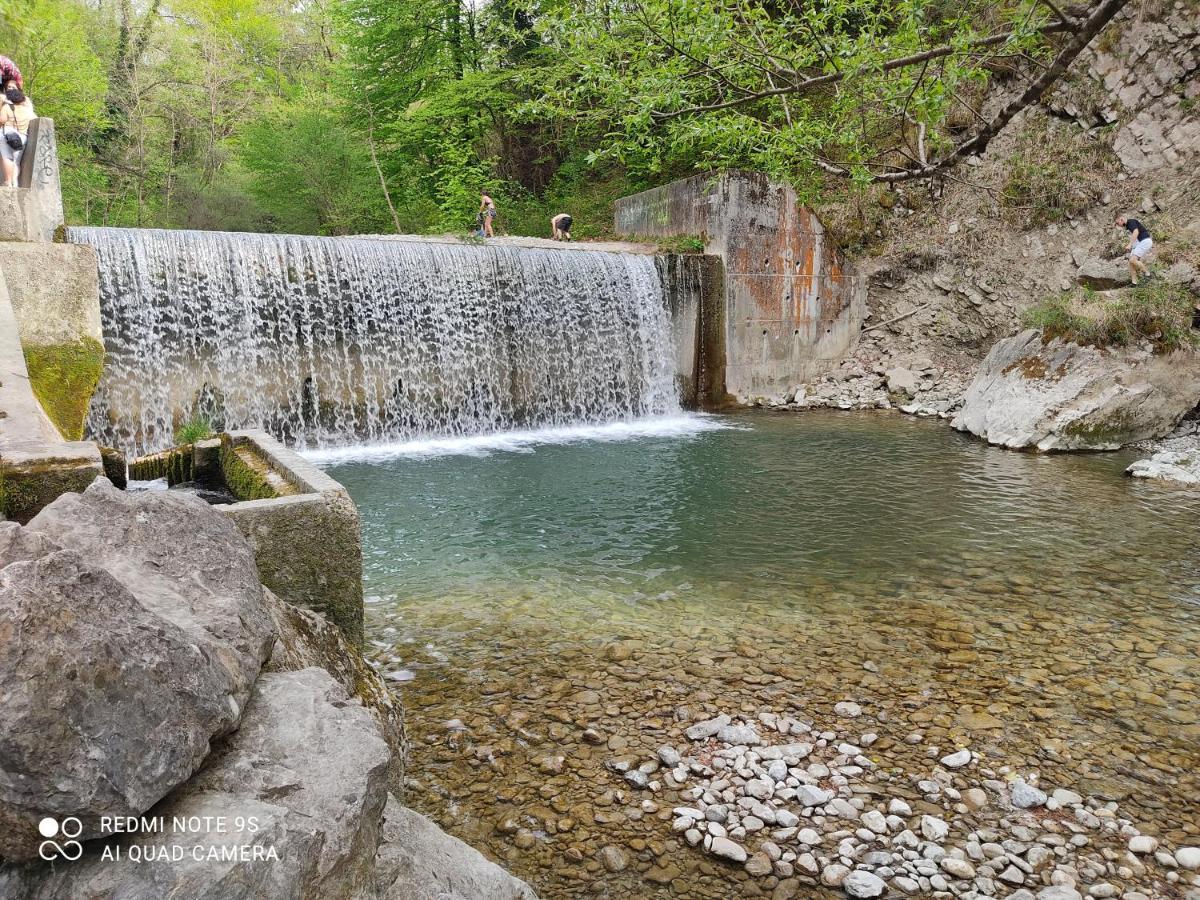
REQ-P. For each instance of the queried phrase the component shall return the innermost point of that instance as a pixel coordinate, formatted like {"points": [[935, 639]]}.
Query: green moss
{"points": [[245, 474], [63, 378], [175, 465], [25, 490]]}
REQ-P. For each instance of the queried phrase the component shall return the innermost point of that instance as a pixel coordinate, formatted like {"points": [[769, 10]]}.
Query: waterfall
{"points": [[326, 342]]}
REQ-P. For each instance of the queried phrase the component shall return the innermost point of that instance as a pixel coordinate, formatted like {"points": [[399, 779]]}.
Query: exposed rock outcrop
{"points": [[1169, 465], [1055, 395], [309, 639], [106, 706], [303, 780], [419, 861]]}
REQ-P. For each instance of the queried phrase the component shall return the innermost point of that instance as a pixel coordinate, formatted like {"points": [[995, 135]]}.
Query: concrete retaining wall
{"points": [[308, 545], [33, 211], [36, 464], [695, 289], [793, 308]]}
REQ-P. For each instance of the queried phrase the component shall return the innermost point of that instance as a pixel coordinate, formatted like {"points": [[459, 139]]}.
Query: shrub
{"points": [[1153, 311], [195, 429], [1055, 172]]}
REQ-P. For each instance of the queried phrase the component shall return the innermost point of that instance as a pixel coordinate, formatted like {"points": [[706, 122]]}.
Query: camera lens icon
{"points": [[68, 829]]}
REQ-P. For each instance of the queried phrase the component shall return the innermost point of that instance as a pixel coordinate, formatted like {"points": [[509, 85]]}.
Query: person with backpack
{"points": [[16, 112]]}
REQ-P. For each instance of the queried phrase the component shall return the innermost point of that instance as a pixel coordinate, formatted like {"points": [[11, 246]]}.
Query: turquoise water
{"points": [[1042, 610], [767, 504]]}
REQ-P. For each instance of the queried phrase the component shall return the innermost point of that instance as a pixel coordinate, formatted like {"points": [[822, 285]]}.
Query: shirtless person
{"points": [[487, 209], [560, 227], [1140, 244]]}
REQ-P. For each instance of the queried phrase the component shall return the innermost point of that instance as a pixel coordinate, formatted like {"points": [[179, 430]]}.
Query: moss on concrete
{"points": [[26, 489], [64, 377], [175, 465], [246, 475]]}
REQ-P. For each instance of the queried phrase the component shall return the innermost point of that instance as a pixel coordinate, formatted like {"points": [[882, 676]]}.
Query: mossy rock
{"points": [[64, 377]]}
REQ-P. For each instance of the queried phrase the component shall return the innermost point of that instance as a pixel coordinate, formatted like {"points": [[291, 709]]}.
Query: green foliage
{"points": [[1153, 311], [193, 430]]}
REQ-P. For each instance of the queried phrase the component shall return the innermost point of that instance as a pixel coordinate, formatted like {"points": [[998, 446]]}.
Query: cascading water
{"points": [[332, 341]]}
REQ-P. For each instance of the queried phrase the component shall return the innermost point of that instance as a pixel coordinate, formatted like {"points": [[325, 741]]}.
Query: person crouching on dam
{"points": [[560, 227]]}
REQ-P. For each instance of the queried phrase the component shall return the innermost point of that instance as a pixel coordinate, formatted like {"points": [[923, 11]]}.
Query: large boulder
{"points": [[1057, 395], [295, 798], [419, 861], [307, 639], [183, 559], [104, 705]]}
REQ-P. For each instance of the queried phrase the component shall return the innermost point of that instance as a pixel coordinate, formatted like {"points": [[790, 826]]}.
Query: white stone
{"points": [[957, 760], [934, 829], [1143, 844], [834, 875], [863, 884], [898, 807], [875, 820], [1026, 796], [1188, 858], [811, 795], [848, 708], [727, 849], [959, 868]]}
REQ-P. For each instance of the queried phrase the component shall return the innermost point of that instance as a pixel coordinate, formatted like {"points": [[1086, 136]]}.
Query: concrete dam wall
{"points": [[793, 306]]}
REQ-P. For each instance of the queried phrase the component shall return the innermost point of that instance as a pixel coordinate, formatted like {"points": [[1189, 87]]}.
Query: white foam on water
{"points": [[680, 426]]}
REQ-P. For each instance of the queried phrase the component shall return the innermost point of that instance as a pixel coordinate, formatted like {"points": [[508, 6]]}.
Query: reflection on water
{"points": [[1042, 609]]}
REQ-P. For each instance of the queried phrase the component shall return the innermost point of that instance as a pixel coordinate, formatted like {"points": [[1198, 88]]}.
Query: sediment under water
{"points": [[1043, 610], [332, 341]]}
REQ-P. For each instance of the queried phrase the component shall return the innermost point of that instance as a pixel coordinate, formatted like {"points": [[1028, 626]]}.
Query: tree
{"points": [[853, 88]]}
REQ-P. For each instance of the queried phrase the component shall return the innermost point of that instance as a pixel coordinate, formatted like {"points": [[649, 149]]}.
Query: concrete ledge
{"points": [[308, 545]]}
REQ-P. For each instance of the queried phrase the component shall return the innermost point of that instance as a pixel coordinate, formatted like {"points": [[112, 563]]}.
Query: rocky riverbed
{"points": [[978, 753]]}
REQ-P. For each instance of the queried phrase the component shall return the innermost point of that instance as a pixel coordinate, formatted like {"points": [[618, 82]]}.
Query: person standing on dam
{"points": [[487, 209]]}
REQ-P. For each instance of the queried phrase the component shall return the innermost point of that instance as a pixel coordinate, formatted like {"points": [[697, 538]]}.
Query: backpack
{"points": [[12, 137]]}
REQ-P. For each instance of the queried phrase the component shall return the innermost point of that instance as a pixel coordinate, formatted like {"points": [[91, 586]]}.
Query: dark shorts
{"points": [[564, 224]]}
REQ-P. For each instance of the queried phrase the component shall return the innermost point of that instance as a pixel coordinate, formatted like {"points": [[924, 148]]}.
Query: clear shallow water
{"points": [[1043, 610]]}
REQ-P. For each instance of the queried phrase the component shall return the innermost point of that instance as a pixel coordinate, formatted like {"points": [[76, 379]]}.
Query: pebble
{"points": [[669, 756], [957, 760], [934, 829], [959, 868], [1026, 796], [898, 807], [875, 820], [848, 708], [613, 858], [1188, 858], [860, 883], [810, 795], [833, 875], [727, 849], [1143, 844]]}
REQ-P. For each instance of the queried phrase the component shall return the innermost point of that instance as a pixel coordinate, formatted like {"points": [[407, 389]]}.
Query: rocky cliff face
{"points": [[952, 266]]}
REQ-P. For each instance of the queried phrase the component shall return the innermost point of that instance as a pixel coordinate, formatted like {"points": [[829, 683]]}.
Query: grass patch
{"points": [[681, 243], [1057, 171], [196, 429], [1153, 311]]}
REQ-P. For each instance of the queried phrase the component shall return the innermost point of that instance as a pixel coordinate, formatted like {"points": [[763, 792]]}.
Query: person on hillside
{"points": [[16, 112], [10, 72], [487, 209], [1140, 244], [560, 227]]}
